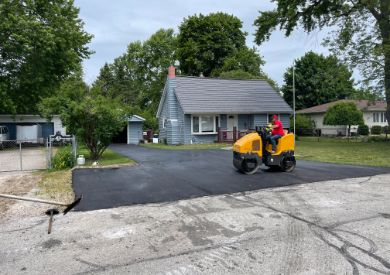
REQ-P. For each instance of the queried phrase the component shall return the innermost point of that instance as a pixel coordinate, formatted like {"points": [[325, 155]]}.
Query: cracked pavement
{"points": [[332, 227]]}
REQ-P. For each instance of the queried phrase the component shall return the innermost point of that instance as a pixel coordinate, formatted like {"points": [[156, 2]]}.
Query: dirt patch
{"points": [[16, 183]]}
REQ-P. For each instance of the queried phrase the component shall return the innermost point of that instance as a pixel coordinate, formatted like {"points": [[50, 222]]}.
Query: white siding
{"points": [[58, 127]]}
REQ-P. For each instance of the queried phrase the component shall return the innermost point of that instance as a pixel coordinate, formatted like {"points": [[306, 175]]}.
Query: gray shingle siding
{"points": [[245, 122], [260, 120], [223, 122], [163, 115], [285, 119]]}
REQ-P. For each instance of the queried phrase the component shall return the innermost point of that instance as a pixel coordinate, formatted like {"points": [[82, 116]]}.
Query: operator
{"points": [[277, 132]]}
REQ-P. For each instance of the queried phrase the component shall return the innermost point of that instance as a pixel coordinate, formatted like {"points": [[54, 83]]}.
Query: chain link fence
{"points": [[22, 155], [33, 154]]}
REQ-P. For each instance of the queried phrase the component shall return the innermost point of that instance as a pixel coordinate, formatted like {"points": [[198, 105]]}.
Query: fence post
{"points": [[234, 134], [74, 146], [218, 134], [20, 155]]}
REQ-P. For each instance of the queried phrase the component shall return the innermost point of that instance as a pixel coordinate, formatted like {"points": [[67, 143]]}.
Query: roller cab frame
{"points": [[252, 150]]}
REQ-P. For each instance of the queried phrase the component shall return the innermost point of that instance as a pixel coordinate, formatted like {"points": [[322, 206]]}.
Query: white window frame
{"points": [[376, 117], [163, 122], [200, 125]]}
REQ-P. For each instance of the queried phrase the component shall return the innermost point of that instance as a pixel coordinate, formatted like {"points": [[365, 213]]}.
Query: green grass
{"points": [[187, 146], [341, 151], [109, 157], [56, 185]]}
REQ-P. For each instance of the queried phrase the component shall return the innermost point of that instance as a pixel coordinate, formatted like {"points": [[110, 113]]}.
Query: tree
{"points": [[204, 41], [41, 43], [86, 112], [303, 125], [318, 80], [344, 113], [362, 32], [244, 59], [138, 76]]}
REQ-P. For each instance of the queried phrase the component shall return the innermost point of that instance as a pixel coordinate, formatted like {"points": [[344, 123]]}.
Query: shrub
{"points": [[376, 139], [363, 130], [376, 130], [386, 130], [304, 126], [63, 158]]}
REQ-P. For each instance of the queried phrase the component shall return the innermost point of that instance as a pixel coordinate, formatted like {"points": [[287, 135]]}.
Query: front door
{"points": [[231, 122]]}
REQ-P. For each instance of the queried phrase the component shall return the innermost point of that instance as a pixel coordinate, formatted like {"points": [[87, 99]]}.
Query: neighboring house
{"points": [[206, 110], [373, 114], [48, 127]]}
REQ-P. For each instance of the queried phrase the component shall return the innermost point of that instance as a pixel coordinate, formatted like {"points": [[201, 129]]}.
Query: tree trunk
{"points": [[387, 83], [384, 25]]}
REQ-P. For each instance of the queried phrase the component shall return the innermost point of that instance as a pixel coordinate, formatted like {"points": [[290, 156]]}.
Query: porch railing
{"points": [[230, 135]]}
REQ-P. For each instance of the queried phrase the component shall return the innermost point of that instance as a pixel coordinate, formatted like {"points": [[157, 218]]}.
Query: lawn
{"points": [[341, 151], [109, 157], [187, 146]]}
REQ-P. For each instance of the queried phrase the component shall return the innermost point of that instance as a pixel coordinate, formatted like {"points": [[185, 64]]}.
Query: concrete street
{"points": [[332, 227]]}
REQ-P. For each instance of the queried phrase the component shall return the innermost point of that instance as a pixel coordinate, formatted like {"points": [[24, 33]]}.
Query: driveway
{"points": [[166, 175]]}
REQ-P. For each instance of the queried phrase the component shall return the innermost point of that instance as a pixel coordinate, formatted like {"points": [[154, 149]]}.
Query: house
{"points": [[373, 114], [48, 127], [206, 110]]}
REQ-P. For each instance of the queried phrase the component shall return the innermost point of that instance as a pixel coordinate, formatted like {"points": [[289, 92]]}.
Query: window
{"points": [[379, 117], [164, 122], [205, 124]]}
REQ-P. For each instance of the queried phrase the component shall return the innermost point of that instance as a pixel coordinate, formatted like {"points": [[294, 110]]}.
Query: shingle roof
{"points": [[364, 105], [199, 95]]}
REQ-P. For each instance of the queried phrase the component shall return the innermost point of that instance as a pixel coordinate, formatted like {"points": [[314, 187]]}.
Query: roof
{"points": [[135, 118], [363, 105], [200, 95]]}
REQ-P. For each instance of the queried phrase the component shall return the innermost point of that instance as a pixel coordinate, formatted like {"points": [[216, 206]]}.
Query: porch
{"points": [[231, 136]]}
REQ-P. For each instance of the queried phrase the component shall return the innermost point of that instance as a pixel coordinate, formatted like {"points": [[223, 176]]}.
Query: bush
{"points": [[363, 130], [376, 130], [63, 158], [304, 126], [386, 130], [376, 139]]}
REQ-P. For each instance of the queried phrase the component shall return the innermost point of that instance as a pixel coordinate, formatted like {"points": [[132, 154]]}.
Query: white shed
{"points": [[135, 129]]}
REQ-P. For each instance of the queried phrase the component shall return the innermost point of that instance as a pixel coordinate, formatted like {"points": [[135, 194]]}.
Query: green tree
{"points": [[303, 125], [86, 112], [205, 41], [138, 76], [318, 80], [361, 32], [344, 113], [41, 43]]}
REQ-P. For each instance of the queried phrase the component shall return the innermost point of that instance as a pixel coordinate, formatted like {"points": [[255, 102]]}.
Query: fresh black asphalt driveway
{"points": [[169, 175]]}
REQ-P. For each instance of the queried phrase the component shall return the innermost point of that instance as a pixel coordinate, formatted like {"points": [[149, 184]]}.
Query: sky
{"points": [[116, 23]]}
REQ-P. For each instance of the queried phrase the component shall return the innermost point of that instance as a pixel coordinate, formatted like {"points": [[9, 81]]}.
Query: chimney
{"points": [[171, 72]]}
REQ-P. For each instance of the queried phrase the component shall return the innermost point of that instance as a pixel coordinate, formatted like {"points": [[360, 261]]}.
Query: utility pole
{"points": [[294, 96]]}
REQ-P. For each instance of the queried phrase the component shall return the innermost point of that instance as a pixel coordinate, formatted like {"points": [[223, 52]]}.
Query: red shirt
{"points": [[279, 129]]}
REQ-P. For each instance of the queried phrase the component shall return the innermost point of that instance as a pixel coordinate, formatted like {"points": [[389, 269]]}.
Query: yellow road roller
{"points": [[252, 150]]}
